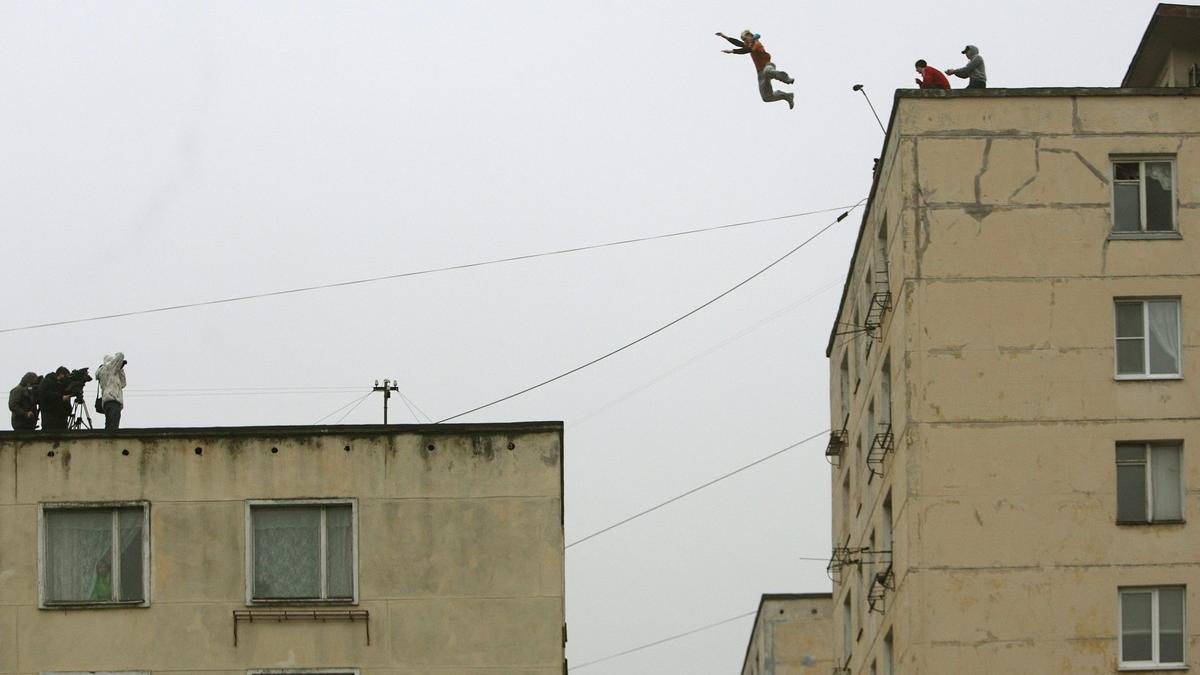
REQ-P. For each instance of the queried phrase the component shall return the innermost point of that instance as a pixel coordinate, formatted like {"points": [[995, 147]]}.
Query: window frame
{"points": [[1146, 375], [1154, 663], [302, 671], [1148, 464], [1142, 232], [114, 506], [252, 601]]}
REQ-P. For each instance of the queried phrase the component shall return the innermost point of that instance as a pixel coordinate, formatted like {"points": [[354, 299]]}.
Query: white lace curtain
{"points": [[288, 555], [1164, 336], [79, 561]]}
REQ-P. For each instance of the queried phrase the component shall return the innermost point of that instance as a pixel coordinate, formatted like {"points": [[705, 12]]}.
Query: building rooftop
{"points": [[1170, 26], [296, 430]]}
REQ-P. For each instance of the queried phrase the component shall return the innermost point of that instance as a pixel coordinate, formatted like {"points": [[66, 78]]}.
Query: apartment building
{"points": [[791, 635], [1015, 381], [359, 549]]}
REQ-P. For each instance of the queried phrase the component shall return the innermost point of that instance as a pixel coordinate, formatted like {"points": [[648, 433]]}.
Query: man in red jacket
{"points": [[749, 44], [931, 78]]}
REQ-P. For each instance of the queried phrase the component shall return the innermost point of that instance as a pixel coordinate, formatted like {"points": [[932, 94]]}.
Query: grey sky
{"points": [[175, 152]]}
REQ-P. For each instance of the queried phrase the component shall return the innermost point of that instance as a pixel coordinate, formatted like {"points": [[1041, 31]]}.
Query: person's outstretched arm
{"points": [[736, 43]]}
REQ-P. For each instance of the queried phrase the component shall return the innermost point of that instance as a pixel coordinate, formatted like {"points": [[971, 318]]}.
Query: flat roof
{"points": [[1169, 24], [293, 430], [768, 597]]}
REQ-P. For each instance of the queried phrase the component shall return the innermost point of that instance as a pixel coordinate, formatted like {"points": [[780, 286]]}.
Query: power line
{"points": [[354, 402], [401, 275], [698, 488], [648, 645], [663, 327], [354, 407]]}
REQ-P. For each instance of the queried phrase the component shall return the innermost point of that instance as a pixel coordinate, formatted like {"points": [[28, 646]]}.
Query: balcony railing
{"points": [[881, 445], [838, 440]]}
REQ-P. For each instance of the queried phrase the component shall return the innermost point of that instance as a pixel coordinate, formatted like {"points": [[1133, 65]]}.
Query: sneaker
{"points": [[791, 99], [790, 80]]}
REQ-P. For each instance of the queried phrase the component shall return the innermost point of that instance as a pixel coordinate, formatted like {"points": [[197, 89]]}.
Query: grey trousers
{"points": [[764, 83]]}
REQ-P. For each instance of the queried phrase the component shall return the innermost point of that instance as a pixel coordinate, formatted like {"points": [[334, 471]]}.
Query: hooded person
{"points": [[23, 403], [111, 377], [973, 71]]}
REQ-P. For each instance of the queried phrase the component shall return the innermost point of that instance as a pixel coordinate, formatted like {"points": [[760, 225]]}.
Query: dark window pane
{"points": [[1129, 320], [1159, 198], [1127, 171], [339, 543], [1127, 208], [1135, 627], [1131, 493], [130, 527], [287, 558], [1130, 357], [1131, 452]]}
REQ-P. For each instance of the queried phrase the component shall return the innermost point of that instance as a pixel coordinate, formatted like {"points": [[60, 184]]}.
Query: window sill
{"points": [[1169, 235], [1147, 378], [300, 602], [93, 605], [1135, 523], [1169, 666]]}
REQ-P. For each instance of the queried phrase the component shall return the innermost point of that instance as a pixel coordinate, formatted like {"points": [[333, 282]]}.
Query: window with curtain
{"points": [[1143, 195], [302, 551], [1149, 482], [1152, 626], [1147, 338], [94, 555]]}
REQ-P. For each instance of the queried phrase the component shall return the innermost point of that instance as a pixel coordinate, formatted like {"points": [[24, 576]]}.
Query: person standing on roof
{"points": [[931, 78], [750, 44], [111, 375], [973, 71], [23, 403]]}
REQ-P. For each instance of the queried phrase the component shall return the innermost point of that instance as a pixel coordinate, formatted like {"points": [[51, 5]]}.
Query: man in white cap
{"points": [[111, 376], [973, 71]]}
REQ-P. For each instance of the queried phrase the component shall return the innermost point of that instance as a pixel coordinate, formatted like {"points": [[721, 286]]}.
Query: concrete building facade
{"points": [[1014, 371], [376, 549], [791, 635]]}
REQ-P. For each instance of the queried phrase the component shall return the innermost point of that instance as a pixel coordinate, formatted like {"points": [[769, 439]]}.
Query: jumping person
{"points": [[973, 71], [750, 44], [931, 78]]}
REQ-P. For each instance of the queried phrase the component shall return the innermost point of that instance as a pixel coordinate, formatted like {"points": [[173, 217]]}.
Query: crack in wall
{"points": [[1090, 167]]}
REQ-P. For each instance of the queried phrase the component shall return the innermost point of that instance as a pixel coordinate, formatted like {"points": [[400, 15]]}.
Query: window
{"points": [[844, 376], [302, 550], [887, 654], [885, 391], [885, 526], [1149, 482], [1143, 195], [847, 629], [1148, 338], [1152, 631], [95, 554]]}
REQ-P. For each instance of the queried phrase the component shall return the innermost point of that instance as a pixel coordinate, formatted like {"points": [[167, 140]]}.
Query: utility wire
{"points": [[648, 645], [353, 408], [400, 275], [663, 327], [341, 408], [696, 489]]}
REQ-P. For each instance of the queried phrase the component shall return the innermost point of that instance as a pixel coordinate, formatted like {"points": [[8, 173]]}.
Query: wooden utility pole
{"points": [[388, 387]]}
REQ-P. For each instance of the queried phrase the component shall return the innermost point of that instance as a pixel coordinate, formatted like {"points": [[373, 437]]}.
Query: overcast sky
{"points": [[162, 153]]}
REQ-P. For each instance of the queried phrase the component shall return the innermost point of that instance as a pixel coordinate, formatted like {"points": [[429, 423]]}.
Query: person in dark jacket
{"points": [[55, 401], [23, 403]]}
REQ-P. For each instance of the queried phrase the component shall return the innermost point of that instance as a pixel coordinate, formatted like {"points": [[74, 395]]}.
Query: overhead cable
{"points": [[661, 328], [401, 275], [648, 645], [354, 402], [698, 488]]}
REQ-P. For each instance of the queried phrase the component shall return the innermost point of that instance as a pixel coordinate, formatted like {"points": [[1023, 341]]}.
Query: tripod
{"points": [[79, 415]]}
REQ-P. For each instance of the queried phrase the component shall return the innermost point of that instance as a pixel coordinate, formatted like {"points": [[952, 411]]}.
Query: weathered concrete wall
{"points": [[791, 636], [460, 548], [1006, 553]]}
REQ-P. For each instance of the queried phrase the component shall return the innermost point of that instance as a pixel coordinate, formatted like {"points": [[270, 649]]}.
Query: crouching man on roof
{"points": [[111, 376], [750, 44]]}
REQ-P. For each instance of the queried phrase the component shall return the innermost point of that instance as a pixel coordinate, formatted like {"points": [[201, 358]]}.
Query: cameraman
{"points": [[111, 377], [23, 403], [56, 402]]}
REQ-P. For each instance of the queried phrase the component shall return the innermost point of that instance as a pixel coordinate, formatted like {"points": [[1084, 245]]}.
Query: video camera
{"points": [[73, 384]]}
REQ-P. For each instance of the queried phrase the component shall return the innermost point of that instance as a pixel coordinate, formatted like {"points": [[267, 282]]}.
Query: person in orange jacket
{"points": [[750, 44]]}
